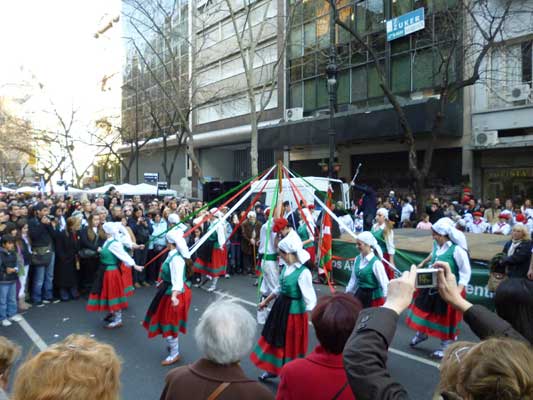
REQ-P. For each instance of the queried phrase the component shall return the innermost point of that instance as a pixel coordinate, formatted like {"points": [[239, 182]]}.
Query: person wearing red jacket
{"points": [[321, 374]]}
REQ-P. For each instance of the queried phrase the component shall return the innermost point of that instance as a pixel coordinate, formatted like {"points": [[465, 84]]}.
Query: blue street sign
{"points": [[405, 24]]}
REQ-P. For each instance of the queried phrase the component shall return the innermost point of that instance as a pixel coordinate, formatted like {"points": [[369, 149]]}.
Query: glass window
{"points": [[322, 62], [343, 87], [322, 92], [262, 97], [401, 73], [210, 37], [358, 53], [322, 8], [296, 43], [527, 62], [374, 88], [400, 7], [347, 16], [208, 113], [309, 9], [309, 95], [322, 31], [227, 30], [360, 18], [296, 95], [209, 76], [400, 45], [359, 84], [374, 15], [309, 66], [310, 34], [296, 70], [232, 68], [422, 69]]}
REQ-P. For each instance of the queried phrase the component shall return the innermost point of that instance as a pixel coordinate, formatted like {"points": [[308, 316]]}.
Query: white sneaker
{"points": [[6, 322], [16, 318], [211, 289]]}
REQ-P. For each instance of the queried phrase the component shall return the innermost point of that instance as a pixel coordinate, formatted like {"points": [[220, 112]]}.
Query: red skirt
{"points": [[112, 297], [388, 270], [127, 279], [443, 327], [169, 320], [271, 359], [217, 266]]}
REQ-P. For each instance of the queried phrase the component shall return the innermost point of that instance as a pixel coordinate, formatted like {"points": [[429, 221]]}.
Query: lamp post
{"points": [[331, 73]]}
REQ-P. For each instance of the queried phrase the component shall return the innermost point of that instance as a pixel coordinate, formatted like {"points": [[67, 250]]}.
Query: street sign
{"points": [[405, 24], [151, 177], [162, 186]]}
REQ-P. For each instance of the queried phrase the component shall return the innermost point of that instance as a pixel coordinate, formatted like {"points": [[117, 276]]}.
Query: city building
{"points": [[502, 115]]}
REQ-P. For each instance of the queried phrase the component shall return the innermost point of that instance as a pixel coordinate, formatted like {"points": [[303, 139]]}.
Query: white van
{"points": [[341, 191]]}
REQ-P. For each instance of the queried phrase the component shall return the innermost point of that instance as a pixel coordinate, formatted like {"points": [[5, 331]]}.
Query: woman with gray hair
{"points": [[369, 279], [225, 335]]}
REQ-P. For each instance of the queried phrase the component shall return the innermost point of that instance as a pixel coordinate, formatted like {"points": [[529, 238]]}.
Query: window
{"points": [[265, 56], [343, 85], [359, 84], [322, 31], [296, 95], [422, 69], [400, 7], [310, 35], [309, 95], [232, 67], [374, 88], [208, 114], [209, 76], [296, 44], [401, 73], [210, 37]]}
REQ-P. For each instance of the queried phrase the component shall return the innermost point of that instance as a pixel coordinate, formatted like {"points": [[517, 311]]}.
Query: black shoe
{"points": [[266, 376], [108, 318]]}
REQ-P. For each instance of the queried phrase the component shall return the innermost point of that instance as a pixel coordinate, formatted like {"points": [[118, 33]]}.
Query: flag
{"points": [[42, 186], [325, 261]]}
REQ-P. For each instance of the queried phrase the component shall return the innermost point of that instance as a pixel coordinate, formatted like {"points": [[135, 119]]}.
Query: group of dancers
{"points": [[286, 286]]}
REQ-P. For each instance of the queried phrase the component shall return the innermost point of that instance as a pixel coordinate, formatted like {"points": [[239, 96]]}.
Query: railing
{"points": [[508, 95]]}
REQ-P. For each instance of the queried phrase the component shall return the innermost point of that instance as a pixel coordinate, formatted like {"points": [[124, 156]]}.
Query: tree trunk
{"points": [[421, 195], [254, 140], [126, 177]]}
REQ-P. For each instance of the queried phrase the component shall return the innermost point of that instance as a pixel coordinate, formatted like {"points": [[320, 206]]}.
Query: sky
{"points": [[52, 42]]}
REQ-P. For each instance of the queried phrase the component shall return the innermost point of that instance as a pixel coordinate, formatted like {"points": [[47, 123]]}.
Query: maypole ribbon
{"points": [[321, 203]]}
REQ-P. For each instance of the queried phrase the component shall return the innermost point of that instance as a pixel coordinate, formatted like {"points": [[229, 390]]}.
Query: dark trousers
{"points": [[88, 268], [140, 257], [248, 263], [152, 270]]}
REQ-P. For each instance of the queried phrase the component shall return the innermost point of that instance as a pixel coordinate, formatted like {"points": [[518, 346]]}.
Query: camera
{"points": [[51, 217], [426, 278]]}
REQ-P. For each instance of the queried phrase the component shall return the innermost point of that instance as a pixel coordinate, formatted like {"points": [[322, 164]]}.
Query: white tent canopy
{"points": [[100, 190], [133, 190], [5, 189]]}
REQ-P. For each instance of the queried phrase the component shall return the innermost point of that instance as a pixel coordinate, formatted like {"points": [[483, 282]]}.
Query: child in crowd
{"points": [[8, 281]]}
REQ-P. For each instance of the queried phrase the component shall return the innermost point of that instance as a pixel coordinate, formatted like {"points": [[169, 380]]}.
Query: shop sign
{"points": [[502, 173], [405, 24]]}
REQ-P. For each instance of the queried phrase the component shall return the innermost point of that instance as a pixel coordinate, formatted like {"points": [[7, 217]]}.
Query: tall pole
{"points": [[136, 137], [331, 73]]}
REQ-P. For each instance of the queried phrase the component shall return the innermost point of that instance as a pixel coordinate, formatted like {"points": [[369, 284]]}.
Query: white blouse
{"points": [[177, 265], [461, 259], [118, 251], [389, 239], [379, 272]]}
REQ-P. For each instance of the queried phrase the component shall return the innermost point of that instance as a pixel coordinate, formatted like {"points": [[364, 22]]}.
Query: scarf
{"points": [[512, 248]]}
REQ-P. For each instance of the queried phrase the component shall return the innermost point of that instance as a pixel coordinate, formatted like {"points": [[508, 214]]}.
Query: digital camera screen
{"points": [[424, 278]]}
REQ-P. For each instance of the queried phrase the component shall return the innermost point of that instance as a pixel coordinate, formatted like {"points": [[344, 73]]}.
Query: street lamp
{"points": [[331, 74]]}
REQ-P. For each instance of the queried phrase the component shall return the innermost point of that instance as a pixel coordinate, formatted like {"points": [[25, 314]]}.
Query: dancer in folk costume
{"points": [[126, 237], [369, 280], [108, 292], [167, 314], [502, 227], [216, 265], [306, 231], [269, 264], [284, 336], [429, 314], [382, 231], [478, 225]]}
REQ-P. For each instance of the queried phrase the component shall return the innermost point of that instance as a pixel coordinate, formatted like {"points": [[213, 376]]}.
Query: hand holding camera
{"points": [[400, 291], [448, 288]]}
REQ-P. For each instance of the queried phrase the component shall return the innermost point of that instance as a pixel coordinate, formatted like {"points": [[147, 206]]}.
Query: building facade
{"points": [[502, 114]]}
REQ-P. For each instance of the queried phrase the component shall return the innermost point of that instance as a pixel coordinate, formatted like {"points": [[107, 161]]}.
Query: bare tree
{"points": [[161, 43], [261, 48], [467, 32]]}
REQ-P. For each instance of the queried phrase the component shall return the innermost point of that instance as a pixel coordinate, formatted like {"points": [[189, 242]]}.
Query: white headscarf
{"points": [[369, 239], [383, 211], [445, 227], [174, 219], [111, 228], [251, 214], [216, 213], [173, 236], [289, 244]]}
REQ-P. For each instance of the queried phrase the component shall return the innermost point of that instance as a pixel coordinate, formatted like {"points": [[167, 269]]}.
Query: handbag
{"points": [[497, 274], [87, 253], [41, 256]]}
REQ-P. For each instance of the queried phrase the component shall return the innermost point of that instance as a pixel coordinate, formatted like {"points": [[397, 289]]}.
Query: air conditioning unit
{"points": [[519, 92], [294, 114], [486, 138]]}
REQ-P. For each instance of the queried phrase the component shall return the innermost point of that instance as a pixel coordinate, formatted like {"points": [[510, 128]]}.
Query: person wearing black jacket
{"points": [[514, 296], [91, 240], [40, 232], [8, 281], [67, 246], [366, 352], [368, 206], [142, 229]]}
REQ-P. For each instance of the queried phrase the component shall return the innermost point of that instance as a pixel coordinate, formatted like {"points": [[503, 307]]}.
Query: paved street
{"points": [[143, 376]]}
